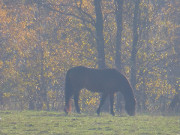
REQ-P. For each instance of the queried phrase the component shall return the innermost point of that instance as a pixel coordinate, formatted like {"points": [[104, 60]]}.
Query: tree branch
{"points": [[51, 7]]}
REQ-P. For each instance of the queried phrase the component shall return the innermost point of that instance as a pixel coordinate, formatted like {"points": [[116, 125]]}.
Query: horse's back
{"points": [[95, 79]]}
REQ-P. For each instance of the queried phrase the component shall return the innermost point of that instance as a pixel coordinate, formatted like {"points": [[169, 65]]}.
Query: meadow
{"points": [[56, 123]]}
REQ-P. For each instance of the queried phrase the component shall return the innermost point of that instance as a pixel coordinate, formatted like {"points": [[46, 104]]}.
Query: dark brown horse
{"points": [[105, 81]]}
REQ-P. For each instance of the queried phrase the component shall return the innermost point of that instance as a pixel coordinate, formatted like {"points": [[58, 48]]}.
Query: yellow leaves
{"points": [[26, 31], [9, 50], [174, 91], [44, 106], [52, 94], [46, 53], [147, 102], [53, 69], [29, 75], [92, 101], [50, 74], [127, 69], [1, 63], [7, 94], [89, 99], [159, 87]]}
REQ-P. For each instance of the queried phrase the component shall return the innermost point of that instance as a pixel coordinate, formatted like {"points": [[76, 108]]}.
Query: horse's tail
{"points": [[68, 93]]}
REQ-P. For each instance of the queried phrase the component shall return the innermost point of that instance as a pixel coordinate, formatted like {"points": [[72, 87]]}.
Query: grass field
{"points": [[55, 123]]}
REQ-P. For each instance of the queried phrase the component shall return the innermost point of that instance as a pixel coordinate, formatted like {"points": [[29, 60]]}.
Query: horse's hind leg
{"points": [[68, 96], [103, 98], [112, 103], [76, 98]]}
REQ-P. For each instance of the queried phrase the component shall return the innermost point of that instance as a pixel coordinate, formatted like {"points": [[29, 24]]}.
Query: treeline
{"points": [[41, 39]]}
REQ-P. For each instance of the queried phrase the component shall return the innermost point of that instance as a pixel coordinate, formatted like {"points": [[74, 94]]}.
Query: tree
{"points": [[40, 40], [135, 43], [174, 70], [119, 22], [99, 34], [118, 63]]}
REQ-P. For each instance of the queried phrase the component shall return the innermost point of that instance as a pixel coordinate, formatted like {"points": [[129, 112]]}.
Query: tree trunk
{"points": [[1, 98], [30, 98], [134, 47], [99, 34], [100, 42], [118, 15], [43, 89], [176, 61]]}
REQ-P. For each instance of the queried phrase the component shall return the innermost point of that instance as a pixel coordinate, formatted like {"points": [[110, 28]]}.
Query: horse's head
{"points": [[130, 107]]}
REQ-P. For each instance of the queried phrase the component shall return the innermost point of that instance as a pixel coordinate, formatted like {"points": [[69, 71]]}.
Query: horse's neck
{"points": [[128, 95]]}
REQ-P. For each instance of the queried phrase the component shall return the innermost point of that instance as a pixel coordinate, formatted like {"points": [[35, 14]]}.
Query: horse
{"points": [[105, 81]]}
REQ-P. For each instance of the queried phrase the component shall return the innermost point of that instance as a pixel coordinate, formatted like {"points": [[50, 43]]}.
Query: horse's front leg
{"points": [[103, 98], [112, 103], [76, 99]]}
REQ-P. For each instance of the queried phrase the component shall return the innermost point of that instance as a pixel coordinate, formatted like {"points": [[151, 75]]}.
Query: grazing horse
{"points": [[105, 81]]}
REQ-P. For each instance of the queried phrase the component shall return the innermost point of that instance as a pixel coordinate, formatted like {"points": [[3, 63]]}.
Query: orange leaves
{"points": [[88, 5], [3, 16]]}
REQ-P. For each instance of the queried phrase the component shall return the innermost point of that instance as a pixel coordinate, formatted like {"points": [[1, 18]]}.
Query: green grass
{"points": [[55, 123]]}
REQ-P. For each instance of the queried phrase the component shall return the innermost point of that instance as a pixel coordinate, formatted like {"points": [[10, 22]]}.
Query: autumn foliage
{"points": [[41, 39]]}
